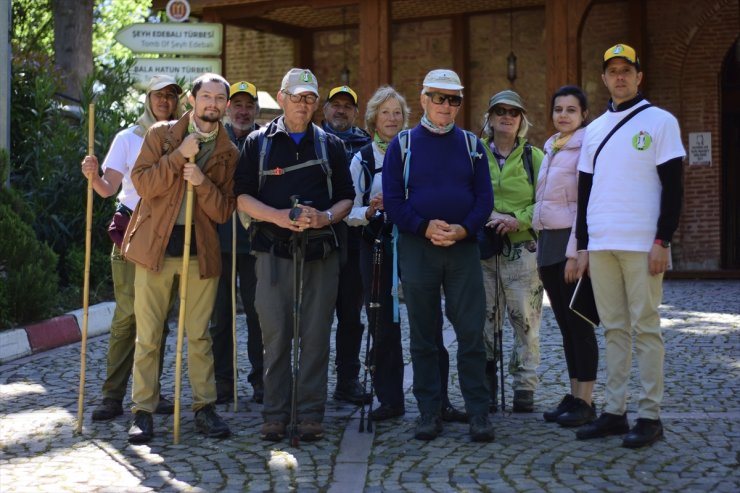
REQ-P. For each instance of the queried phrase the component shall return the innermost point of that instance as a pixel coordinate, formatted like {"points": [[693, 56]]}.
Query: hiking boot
{"points": [[164, 406], [428, 426], [310, 431], [351, 391], [579, 414], [645, 432], [564, 406], [481, 429], [492, 378], [453, 415], [259, 392], [142, 428], [523, 401], [107, 410], [208, 422], [605, 425], [273, 431], [386, 411]]}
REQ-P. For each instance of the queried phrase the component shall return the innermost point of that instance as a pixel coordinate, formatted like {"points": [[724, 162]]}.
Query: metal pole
{"points": [[233, 306]]}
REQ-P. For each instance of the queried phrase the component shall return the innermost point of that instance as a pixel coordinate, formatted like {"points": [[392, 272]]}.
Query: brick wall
{"points": [[686, 43]]}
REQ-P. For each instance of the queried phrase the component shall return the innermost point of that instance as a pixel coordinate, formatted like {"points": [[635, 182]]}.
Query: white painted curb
{"points": [[98, 318], [13, 345]]}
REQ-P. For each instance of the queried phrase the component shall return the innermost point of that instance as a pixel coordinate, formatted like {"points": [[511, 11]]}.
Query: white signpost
{"points": [[169, 38], [179, 68]]}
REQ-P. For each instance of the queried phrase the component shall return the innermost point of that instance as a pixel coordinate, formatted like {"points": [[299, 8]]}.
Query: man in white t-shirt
{"points": [[629, 202], [161, 104]]}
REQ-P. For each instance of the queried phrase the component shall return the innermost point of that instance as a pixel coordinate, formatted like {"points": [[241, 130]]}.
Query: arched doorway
{"points": [[730, 98]]}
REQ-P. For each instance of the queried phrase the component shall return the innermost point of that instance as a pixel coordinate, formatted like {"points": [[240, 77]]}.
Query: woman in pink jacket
{"points": [[554, 218]]}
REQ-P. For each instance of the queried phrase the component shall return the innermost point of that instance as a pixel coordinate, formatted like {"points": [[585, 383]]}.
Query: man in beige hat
{"points": [[161, 104], [297, 194], [438, 194]]}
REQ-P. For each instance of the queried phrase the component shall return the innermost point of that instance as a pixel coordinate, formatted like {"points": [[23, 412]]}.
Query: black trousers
{"points": [[579, 339], [223, 344], [387, 353], [349, 308]]}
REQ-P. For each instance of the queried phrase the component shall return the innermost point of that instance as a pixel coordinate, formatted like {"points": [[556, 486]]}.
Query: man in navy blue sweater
{"points": [[445, 200]]}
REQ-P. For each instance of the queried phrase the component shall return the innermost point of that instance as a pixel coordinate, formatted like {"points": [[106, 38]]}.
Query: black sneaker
{"points": [[386, 411], [564, 406], [107, 410], [351, 391], [481, 429], [142, 429], [580, 413], [453, 415], [208, 422], [428, 427], [645, 432], [605, 425], [523, 401], [164, 406]]}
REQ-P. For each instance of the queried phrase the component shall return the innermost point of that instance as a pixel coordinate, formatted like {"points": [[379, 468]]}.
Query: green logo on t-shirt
{"points": [[642, 141]]}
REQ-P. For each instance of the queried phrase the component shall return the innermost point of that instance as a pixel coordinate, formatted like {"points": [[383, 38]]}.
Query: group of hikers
{"points": [[329, 218]]}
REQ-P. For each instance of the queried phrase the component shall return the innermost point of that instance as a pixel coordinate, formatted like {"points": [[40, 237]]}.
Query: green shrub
{"points": [[27, 269], [48, 142]]}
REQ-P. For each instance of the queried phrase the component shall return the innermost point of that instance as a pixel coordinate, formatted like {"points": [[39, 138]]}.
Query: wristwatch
{"points": [[331, 216], [663, 243]]}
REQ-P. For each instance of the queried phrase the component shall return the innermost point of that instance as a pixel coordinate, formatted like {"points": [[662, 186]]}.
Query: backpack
{"points": [[264, 145], [404, 140]]}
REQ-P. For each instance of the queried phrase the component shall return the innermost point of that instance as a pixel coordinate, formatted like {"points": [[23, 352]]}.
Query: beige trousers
{"points": [[151, 300], [627, 298]]}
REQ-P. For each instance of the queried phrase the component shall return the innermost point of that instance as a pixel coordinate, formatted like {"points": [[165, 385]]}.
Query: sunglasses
{"points": [[512, 112], [297, 98], [438, 98]]}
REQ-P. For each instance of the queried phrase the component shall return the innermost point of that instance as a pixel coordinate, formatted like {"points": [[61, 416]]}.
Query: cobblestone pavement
{"points": [[701, 412]]}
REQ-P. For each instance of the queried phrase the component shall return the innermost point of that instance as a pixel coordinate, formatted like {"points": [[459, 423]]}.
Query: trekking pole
{"points": [[233, 305], [183, 301], [374, 305], [295, 212], [88, 254], [499, 334]]}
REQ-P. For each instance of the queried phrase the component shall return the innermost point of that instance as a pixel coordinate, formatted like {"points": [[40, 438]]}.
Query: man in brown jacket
{"points": [[155, 239]]}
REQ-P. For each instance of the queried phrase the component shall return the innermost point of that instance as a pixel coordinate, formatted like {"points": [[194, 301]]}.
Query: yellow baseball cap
{"points": [[624, 51], [243, 86], [343, 90]]}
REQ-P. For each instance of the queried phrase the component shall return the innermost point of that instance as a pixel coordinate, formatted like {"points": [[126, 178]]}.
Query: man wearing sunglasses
{"points": [[300, 189], [439, 194]]}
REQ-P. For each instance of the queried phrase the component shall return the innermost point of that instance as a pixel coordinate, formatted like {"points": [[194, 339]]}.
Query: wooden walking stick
{"points": [[233, 303], [183, 301], [88, 253]]}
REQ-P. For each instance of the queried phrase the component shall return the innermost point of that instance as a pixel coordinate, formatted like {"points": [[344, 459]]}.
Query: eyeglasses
{"points": [[297, 98], [439, 98], [164, 95], [512, 112]]}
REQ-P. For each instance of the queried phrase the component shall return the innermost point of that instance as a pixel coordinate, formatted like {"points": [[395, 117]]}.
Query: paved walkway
{"points": [[41, 451]]}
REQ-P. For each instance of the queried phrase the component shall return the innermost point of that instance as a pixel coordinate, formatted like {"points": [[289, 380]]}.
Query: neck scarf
{"points": [[435, 129], [203, 136], [382, 145], [560, 141]]}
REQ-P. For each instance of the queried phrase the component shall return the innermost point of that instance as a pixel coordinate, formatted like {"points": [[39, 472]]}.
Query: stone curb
{"points": [[55, 332]]}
